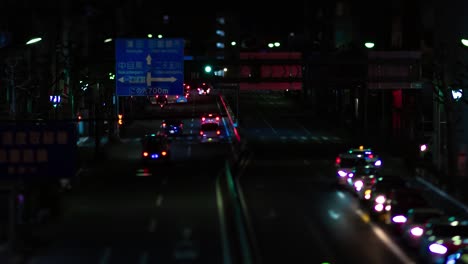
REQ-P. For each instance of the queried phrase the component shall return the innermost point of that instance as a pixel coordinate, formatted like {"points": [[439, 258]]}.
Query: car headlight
{"points": [[399, 219], [438, 249], [416, 231], [380, 199], [358, 184]]}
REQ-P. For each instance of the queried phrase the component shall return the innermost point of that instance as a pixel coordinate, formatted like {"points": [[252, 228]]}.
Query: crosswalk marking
{"points": [[192, 139], [319, 140]]}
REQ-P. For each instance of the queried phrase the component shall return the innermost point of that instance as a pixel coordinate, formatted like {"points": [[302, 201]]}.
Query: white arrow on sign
{"points": [[148, 60], [132, 79], [149, 79]]}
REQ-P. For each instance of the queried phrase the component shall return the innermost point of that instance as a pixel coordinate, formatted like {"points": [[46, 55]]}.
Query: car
{"points": [[458, 257], [187, 88], [417, 218], [399, 201], [372, 159], [155, 147], [211, 118], [442, 238], [175, 99], [204, 88], [380, 191], [345, 165], [172, 127], [160, 100], [363, 180], [210, 132]]}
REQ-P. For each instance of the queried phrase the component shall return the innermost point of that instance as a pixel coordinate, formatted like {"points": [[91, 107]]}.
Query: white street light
{"points": [[457, 94], [33, 40], [107, 40], [464, 42], [369, 45]]}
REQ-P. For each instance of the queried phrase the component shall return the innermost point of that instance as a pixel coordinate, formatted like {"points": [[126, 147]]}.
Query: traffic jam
{"points": [[434, 236]]}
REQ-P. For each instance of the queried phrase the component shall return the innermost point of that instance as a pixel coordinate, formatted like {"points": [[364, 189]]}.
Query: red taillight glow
{"points": [[371, 156], [164, 153], [217, 118], [218, 132], [163, 124], [201, 133], [338, 160], [145, 154], [177, 97], [202, 119]]}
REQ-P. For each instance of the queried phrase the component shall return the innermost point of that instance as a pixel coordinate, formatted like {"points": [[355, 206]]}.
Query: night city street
{"points": [[143, 132]]}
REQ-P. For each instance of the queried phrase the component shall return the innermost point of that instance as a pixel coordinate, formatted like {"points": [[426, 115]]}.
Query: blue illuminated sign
{"points": [[37, 151], [149, 67]]}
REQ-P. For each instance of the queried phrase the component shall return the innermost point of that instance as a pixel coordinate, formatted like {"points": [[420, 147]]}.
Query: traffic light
{"points": [[120, 119], [208, 68]]}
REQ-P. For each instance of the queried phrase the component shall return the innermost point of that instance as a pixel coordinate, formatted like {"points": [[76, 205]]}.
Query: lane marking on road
{"points": [[152, 225], [305, 129], [396, 250], [159, 200], [189, 151], [270, 126], [106, 256], [144, 258], [223, 226], [365, 217]]}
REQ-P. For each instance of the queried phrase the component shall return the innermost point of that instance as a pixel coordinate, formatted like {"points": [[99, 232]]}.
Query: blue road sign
{"points": [[149, 67], [37, 151]]}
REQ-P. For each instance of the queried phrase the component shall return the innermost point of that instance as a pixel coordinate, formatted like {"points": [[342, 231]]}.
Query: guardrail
{"points": [[234, 213]]}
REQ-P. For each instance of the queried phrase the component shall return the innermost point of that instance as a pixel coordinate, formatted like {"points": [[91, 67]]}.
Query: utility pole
{"points": [[12, 63]]}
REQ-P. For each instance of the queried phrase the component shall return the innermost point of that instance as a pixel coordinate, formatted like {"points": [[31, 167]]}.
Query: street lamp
{"points": [[33, 40], [464, 42], [369, 45]]}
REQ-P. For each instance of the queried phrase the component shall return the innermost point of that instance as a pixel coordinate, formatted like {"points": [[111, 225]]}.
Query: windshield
{"points": [[209, 127]]}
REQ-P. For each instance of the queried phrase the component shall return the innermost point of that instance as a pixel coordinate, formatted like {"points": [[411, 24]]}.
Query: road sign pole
{"points": [[116, 115]]}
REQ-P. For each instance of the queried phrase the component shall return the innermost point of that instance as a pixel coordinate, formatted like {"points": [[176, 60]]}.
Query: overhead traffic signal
{"points": [[208, 68], [120, 119]]}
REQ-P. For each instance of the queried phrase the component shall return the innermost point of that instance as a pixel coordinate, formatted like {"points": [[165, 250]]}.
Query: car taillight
{"points": [[202, 119], [218, 132], [166, 95], [371, 156], [164, 153], [338, 160], [164, 125], [217, 118], [145, 154], [177, 97], [201, 133]]}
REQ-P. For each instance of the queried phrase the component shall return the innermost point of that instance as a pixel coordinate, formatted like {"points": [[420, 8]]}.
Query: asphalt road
{"points": [[296, 212], [125, 212]]}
